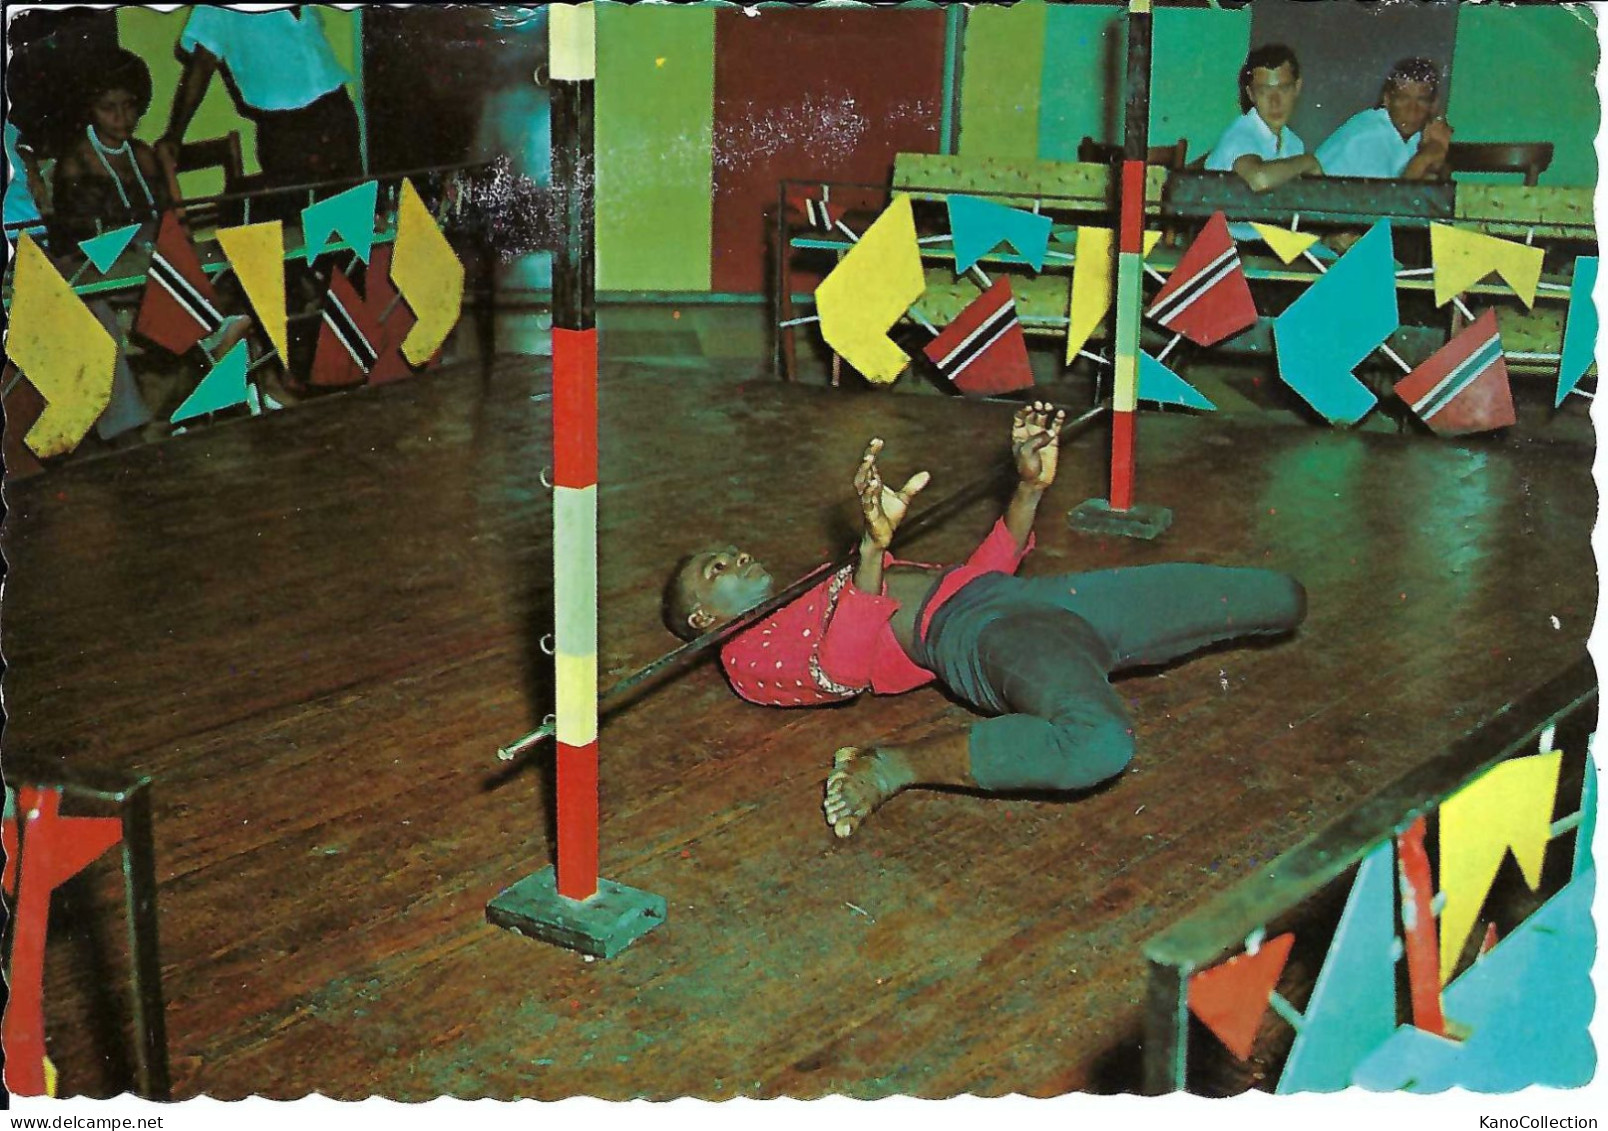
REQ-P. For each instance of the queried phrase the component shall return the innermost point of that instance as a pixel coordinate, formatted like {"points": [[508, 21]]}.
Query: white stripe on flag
{"points": [[985, 327]]}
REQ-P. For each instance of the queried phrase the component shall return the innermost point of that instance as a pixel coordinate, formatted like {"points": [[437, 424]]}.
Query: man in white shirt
{"points": [[1259, 146], [1399, 139], [285, 78]]}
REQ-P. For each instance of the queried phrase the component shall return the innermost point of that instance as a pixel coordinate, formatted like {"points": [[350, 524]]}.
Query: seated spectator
{"points": [[1402, 138], [1259, 146]]}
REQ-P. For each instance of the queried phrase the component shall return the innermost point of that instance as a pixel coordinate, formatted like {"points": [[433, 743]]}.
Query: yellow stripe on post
{"points": [[575, 700], [572, 42]]}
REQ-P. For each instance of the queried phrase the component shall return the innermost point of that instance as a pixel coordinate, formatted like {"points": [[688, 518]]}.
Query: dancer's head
{"points": [[710, 587]]}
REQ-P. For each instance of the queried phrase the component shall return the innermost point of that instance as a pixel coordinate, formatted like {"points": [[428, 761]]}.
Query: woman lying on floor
{"points": [[1033, 655]]}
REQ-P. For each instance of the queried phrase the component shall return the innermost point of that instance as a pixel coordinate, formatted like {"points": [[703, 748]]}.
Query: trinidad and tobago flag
{"points": [[1207, 297], [1463, 387], [179, 306], [983, 351], [360, 338]]}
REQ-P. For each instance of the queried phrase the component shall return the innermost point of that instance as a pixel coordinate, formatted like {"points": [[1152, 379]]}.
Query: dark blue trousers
{"points": [[1035, 655]]}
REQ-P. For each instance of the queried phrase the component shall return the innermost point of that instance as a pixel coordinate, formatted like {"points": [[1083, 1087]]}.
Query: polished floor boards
{"points": [[314, 629]]}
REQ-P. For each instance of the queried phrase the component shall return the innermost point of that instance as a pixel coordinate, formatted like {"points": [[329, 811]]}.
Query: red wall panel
{"points": [[818, 95]]}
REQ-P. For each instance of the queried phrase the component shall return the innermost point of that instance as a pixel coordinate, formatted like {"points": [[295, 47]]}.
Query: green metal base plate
{"points": [[603, 925], [1096, 516]]}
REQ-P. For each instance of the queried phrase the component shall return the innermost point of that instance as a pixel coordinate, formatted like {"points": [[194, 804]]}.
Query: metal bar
{"points": [[620, 692], [139, 888]]}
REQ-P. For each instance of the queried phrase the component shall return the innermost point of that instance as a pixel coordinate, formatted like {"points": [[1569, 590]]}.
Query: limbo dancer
{"points": [[1033, 655]]}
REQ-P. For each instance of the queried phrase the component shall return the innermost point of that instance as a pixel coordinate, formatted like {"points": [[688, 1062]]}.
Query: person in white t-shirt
{"points": [[285, 78], [1259, 145], [1402, 138]]}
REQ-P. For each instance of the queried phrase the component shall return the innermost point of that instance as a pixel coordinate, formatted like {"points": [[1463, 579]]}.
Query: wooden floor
{"points": [[314, 629]]}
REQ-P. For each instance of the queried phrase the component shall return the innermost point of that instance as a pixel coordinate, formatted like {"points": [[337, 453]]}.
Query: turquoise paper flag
{"points": [[104, 249], [979, 226], [1353, 1005], [224, 387], [1341, 319], [1160, 384], [1580, 329], [1527, 1005], [349, 214], [1588, 818]]}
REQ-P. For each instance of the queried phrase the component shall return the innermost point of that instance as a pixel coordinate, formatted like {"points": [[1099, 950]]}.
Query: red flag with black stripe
{"points": [[348, 337], [1463, 387], [394, 315], [179, 306], [983, 351], [1207, 297]]}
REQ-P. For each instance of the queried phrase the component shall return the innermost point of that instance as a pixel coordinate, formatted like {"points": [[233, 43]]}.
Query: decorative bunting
{"points": [[979, 226], [1287, 245], [103, 250], [1340, 319], [66, 353], [869, 290], [348, 337], [348, 214], [1231, 998], [1588, 818], [1462, 258], [1353, 1005], [1091, 284], [257, 254], [1160, 384], [1418, 927], [224, 387], [1207, 297], [179, 306], [428, 275], [1463, 386], [983, 351], [818, 212], [1579, 329], [1508, 807], [1527, 1006], [394, 316]]}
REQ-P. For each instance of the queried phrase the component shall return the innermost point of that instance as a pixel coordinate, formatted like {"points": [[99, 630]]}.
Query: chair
{"points": [[1530, 158], [1172, 156], [212, 153]]}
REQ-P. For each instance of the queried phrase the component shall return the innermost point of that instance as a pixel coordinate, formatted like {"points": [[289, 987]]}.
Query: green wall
{"points": [[655, 139], [1528, 74], [999, 83], [154, 36]]}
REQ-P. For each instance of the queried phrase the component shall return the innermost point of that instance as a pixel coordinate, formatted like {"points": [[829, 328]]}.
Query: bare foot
{"points": [[861, 780]]}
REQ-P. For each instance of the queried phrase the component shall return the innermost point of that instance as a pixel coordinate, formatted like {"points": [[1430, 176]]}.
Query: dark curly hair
{"points": [[1271, 56], [1416, 69], [118, 70]]}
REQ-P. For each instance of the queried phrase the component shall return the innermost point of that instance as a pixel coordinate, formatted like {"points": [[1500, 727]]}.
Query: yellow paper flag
{"points": [[257, 254], [427, 274], [1287, 245], [1509, 807], [1462, 258], [62, 348], [1091, 284], [870, 290]]}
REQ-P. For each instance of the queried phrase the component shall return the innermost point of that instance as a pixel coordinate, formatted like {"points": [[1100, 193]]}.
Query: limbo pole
{"points": [[569, 904], [1120, 515]]}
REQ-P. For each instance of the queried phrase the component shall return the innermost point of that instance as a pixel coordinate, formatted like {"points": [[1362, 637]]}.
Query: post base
{"points": [[611, 920], [1097, 516]]}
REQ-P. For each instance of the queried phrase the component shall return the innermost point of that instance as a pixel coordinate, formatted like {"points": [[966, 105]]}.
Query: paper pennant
{"points": [[179, 306], [1418, 929], [1580, 329], [1588, 818], [1353, 1005], [1231, 998], [257, 254], [63, 349], [979, 226], [349, 215], [395, 319], [1527, 1006], [428, 275], [983, 351], [1463, 386], [1091, 283], [869, 290], [1508, 807], [1207, 297], [224, 387], [104, 249], [1462, 258], [348, 337], [1160, 384], [1340, 319], [1287, 245]]}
